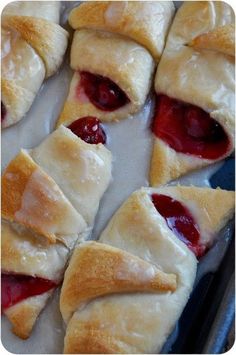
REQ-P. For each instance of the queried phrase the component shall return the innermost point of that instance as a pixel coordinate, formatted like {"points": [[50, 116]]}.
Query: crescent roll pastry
{"points": [[28, 260], [84, 186], [50, 196], [114, 48], [98, 269], [32, 198], [194, 122], [109, 300], [33, 45]]}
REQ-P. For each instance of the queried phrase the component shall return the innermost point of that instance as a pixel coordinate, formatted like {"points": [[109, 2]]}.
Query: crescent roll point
{"points": [[195, 73], [114, 57], [108, 286], [36, 42], [40, 186], [98, 269]]}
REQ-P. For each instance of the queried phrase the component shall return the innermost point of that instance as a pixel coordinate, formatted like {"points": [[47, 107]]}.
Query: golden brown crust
{"points": [[47, 38], [167, 164], [38, 257], [24, 314], [220, 39], [49, 10], [144, 22], [98, 269], [87, 338], [14, 181], [32, 198]]}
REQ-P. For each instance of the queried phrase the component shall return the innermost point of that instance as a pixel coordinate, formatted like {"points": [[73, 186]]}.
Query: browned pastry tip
{"points": [[14, 182], [87, 338], [24, 314], [98, 269], [220, 39], [32, 198]]}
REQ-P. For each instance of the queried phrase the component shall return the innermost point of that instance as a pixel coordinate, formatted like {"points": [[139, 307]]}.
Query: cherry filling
{"points": [[16, 288], [180, 221], [89, 129], [3, 111], [188, 129], [102, 92]]}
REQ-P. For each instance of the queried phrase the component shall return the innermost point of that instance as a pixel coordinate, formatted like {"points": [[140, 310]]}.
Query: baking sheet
{"points": [[130, 142]]}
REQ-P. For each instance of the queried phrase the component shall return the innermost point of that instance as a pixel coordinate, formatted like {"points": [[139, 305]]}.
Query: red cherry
{"points": [[180, 221], [3, 111], [102, 92], [197, 123], [107, 95], [16, 288], [89, 129], [188, 129]]}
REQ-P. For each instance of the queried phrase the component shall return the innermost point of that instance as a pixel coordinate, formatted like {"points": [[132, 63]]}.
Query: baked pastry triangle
{"points": [[111, 55], [30, 39], [46, 194], [194, 121], [98, 269], [30, 197], [158, 226]]}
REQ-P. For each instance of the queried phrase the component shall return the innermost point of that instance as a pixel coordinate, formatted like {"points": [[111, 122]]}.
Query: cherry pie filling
{"points": [[180, 221], [16, 288], [89, 129], [3, 111], [102, 92], [188, 129]]}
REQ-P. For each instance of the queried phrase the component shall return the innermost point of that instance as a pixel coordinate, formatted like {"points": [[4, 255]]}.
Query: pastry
{"points": [[50, 196], [194, 122], [84, 186], [30, 39], [31, 270], [108, 300], [114, 48]]}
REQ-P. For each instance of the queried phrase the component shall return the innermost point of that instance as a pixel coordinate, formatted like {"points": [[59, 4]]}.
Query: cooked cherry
{"points": [[3, 111], [102, 92], [189, 129], [89, 129], [180, 221], [16, 288]]}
